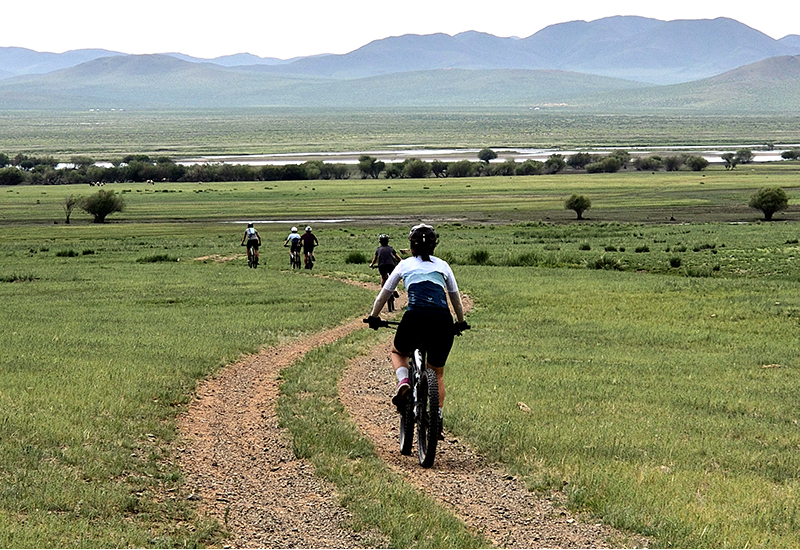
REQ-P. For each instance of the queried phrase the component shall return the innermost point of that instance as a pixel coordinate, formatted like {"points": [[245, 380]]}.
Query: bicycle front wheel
{"points": [[428, 418]]}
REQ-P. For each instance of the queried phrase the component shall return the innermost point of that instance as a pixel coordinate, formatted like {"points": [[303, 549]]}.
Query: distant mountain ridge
{"points": [[629, 47], [608, 64]]}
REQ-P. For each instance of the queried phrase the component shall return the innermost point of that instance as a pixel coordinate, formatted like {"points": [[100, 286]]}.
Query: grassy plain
{"points": [[662, 396], [106, 135]]}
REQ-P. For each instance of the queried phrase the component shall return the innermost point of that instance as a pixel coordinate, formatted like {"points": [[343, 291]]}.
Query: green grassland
{"points": [[108, 134], [658, 359]]}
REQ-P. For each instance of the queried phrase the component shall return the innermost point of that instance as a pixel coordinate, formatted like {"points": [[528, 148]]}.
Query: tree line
{"points": [[24, 169]]}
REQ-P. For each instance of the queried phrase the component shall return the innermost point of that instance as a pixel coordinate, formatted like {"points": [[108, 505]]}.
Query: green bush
{"points": [[157, 258], [355, 257], [605, 262], [478, 257]]}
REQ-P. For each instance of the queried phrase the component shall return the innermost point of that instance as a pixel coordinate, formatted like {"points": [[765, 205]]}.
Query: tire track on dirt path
{"points": [[483, 496], [241, 466]]}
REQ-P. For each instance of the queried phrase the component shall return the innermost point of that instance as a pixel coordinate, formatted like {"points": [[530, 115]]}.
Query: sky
{"points": [[293, 28]]}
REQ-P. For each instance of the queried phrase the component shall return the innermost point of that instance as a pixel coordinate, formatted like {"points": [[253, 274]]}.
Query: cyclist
{"points": [[253, 241], [309, 242], [427, 322], [293, 241], [386, 258]]}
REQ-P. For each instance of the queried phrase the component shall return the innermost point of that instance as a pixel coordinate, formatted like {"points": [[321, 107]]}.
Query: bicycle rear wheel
{"points": [[427, 418], [407, 425]]}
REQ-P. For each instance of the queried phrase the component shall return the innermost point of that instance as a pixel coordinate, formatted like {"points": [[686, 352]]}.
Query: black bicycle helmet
{"points": [[383, 239], [423, 240]]}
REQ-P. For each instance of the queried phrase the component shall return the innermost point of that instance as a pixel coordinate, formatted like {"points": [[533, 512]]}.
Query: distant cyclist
{"points": [[386, 259], [293, 241], [427, 322], [253, 240], [309, 242]]}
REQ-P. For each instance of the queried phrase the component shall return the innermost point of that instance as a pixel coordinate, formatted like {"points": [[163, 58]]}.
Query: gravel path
{"points": [[241, 468]]}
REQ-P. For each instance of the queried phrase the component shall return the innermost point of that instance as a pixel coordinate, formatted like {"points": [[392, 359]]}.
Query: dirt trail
{"points": [[241, 467]]}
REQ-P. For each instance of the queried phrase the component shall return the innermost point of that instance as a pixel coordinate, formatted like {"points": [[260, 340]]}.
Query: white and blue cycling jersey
{"points": [[427, 283]]}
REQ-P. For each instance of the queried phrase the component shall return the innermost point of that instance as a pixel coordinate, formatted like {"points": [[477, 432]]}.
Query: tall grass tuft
{"points": [[356, 257], [155, 258], [478, 257]]}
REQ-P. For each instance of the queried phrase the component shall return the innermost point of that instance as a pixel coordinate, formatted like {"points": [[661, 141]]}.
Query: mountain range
{"points": [[618, 62]]}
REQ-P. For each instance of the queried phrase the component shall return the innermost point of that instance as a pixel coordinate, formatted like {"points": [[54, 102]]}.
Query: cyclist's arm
{"points": [[374, 259], [458, 307], [380, 301]]}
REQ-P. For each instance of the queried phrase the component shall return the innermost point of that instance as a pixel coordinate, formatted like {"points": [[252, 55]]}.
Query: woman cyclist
{"points": [[253, 241], [427, 321], [293, 241], [386, 258]]}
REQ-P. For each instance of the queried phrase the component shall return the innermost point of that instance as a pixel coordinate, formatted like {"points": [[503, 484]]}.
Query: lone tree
{"points": [[769, 200], [101, 204], [579, 204], [69, 205], [731, 160], [486, 155]]}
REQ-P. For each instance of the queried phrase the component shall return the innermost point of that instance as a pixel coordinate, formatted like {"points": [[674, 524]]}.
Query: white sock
{"points": [[401, 373], [440, 412]]}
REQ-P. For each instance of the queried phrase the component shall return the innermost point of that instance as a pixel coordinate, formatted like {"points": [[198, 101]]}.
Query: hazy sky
{"points": [[289, 28]]}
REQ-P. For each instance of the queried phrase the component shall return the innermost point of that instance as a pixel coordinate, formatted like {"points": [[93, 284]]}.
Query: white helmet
{"points": [[308, 228], [294, 230]]}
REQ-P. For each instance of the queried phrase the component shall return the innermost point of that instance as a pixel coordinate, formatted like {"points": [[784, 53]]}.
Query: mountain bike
{"points": [[420, 409], [309, 260], [252, 257], [294, 259]]}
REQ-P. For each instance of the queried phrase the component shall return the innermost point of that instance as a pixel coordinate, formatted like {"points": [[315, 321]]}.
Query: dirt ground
{"points": [[241, 467]]}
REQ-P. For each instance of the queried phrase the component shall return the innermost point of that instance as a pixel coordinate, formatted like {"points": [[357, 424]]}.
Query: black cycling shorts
{"points": [[252, 244], [429, 329], [385, 270]]}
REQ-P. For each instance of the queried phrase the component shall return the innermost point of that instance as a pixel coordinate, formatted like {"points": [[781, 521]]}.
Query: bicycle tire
{"points": [[407, 424], [427, 418]]}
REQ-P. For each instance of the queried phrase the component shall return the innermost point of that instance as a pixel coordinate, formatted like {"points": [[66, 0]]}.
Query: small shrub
{"points": [[66, 253], [610, 248], [584, 246], [675, 262], [703, 271], [88, 252], [643, 248], [526, 259], [157, 258], [478, 257], [355, 257], [605, 262], [17, 278]]}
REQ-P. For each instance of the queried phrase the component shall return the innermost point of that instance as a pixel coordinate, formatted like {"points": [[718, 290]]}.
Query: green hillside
{"points": [[772, 85], [158, 81]]}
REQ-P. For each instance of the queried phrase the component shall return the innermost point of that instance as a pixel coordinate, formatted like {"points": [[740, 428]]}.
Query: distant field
{"points": [[108, 134], [658, 358], [638, 197]]}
